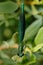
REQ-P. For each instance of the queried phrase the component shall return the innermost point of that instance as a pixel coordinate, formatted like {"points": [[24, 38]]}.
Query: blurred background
{"points": [[33, 37]]}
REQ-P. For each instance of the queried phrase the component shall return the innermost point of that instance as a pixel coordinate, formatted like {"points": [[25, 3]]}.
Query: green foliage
{"points": [[8, 7], [39, 37], [33, 37], [32, 29]]}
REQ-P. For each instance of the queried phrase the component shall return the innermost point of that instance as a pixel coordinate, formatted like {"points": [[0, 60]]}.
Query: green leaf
{"points": [[36, 48], [39, 8], [8, 7], [32, 59], [32, 29], [28, 9], [6, 59], [39, 37]]}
